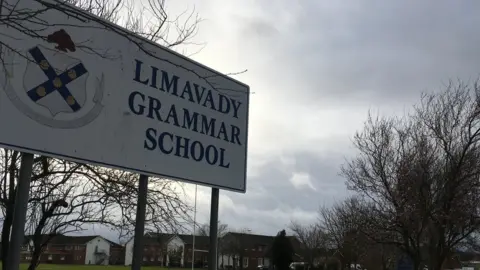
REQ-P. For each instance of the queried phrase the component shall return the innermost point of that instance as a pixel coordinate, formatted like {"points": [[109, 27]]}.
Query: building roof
{"points": [[113, 244], [253, 241], [60, 239], [250, 240], [163, 238]]}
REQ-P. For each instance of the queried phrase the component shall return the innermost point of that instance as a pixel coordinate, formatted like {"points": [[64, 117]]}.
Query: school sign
{"points": [[88, 91]]}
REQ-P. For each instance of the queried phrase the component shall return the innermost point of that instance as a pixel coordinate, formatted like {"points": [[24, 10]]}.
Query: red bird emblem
{"points": [[63, 40]]}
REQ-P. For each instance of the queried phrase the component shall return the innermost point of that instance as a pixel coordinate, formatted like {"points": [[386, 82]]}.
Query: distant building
{"points": [[254, 250], [117, 254], [62, 249], [174, 250]]}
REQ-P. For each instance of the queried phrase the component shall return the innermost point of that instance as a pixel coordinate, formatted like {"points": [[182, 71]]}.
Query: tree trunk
{"points": [[436, 262], [417, 264], [37, 252], [7, 223], [10, 203]]}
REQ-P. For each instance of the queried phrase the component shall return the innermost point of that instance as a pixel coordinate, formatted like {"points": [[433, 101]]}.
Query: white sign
{"points": [[78, 88]]}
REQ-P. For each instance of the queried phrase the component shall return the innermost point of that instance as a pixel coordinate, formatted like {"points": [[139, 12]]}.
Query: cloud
{"points": [[301, 181], [316, 68]]}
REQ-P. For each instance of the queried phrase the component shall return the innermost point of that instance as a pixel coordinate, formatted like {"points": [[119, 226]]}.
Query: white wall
{"points": [[129, 252], [175, 243], [103, 246], [228, 261]]}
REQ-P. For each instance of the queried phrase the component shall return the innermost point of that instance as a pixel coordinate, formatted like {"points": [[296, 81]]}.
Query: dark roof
{"points": [[200, 241], [113, 244], [466, 256], [61, 239], [254, 240], [250, 240], [163, 238]]}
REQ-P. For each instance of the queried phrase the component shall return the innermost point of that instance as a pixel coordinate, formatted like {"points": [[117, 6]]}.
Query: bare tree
{"points": [[312, 238], [222, 230], [342, 226], [167, 208], [9, 170], [151, 20], [66, 197], [62, 203], [419, 174], [204, 229]]}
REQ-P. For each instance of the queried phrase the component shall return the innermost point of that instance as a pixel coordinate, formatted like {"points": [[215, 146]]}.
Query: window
{"points": [[68, 247], [260, 261], [62, 258], [152, 259], [245, 262], [144, 259], [50, 257]]}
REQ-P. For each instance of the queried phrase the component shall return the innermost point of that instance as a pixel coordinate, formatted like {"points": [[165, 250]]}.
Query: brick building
{"points": [[62, 249], [117, 254], [174, 250], [252, 249]]}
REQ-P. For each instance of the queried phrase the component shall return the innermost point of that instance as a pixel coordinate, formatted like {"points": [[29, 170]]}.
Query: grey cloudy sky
{"points": [[316, 68]]}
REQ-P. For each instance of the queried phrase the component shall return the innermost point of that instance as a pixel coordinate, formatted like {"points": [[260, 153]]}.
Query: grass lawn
{"points": [[92, 267]]}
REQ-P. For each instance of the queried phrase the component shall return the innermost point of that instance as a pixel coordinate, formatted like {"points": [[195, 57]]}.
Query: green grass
{"points": [[91, 267]]}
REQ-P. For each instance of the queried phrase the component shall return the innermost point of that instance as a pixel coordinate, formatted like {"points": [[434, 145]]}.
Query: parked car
{"points": [[298, 265]]}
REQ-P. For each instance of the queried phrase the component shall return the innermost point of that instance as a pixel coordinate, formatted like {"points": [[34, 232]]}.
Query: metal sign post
{"points": [[20, 212], [194, 227], [140, 223], [212, 263]]}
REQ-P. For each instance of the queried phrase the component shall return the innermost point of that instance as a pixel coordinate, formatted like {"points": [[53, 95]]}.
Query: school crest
{"points": [[55, 87]]}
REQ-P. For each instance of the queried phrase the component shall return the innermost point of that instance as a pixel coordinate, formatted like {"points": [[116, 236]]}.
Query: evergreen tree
{"points": [[282, 251]]}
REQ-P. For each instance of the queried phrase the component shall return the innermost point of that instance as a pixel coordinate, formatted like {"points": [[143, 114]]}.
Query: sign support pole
{"points": [[17, 236], [212, 262], [194, 227], [137, 258]]}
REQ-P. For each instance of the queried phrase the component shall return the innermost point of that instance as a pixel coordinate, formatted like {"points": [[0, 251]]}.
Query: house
{"points": [[254, 250], [63, 249], [174, 250]]}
